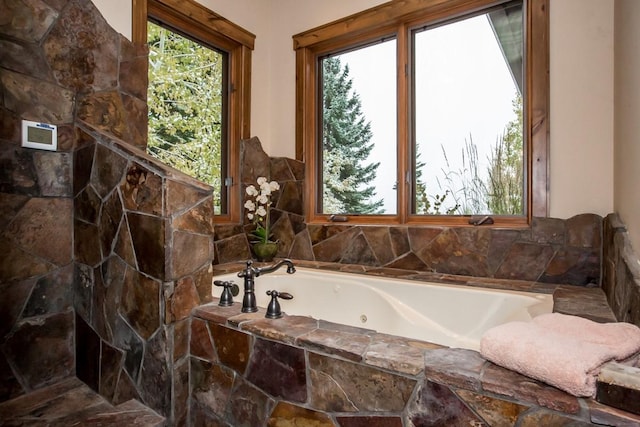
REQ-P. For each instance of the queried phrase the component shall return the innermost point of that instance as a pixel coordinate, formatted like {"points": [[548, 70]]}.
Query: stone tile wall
{"points": [[621, 271], [550, 251], [104, 250]]}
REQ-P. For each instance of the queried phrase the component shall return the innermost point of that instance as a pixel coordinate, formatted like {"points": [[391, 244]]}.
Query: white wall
{"points": [[581, 85], [117, 13], [581, 50], [627, 119]]}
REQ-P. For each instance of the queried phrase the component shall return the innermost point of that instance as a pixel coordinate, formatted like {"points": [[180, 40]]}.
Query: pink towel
{"points": [[564, 351]]}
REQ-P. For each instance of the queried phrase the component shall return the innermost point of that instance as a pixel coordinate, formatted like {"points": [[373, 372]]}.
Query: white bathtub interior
{"points": [[450, 315]]}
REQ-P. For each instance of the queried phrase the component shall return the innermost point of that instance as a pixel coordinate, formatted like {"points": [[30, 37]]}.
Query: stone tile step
{"points": [[72, 403]]}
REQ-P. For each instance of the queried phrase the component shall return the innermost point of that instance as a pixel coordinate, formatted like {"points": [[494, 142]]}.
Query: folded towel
{"points": [[564, 351]]}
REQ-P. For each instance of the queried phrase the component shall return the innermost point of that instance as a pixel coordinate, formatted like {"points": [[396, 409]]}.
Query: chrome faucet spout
{"points": [[249, 274]]}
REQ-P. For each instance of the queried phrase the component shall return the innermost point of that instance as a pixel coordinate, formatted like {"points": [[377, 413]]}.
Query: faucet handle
{"points": [[229, 291], [273, 309]]}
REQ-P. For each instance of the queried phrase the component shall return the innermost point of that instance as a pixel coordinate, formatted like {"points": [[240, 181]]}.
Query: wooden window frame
{"points": [[398, 18], [209, 28]]}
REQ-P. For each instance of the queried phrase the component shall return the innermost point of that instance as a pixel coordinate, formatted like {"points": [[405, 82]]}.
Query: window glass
{"points": [[468, 124], [187, 107], [358, 160]]}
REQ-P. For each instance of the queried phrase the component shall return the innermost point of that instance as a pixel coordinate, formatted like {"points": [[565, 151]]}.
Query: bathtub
{"points": [[450, 315]]}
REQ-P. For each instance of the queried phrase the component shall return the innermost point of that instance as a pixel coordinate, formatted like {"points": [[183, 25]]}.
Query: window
{"points": [[426, 113], [199, 68]]}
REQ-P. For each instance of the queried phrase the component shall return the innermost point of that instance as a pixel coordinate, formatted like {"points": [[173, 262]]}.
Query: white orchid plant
{"points": [[258, 208]]}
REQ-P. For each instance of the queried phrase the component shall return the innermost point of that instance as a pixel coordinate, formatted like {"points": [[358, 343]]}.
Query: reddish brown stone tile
{"points": [[140, 303], [25, 58], [142, 190], [148, 237], [287, 414], [181, 196], [211, 385], [104, 111], [198, 219], [54, 173], [87, 206], [537, 418], [436, 404], [286, 329], [584, 231], [55, 104], [233, 347], [111, 361], [332, 248], [278, 369], [44, 214], [183, 300], [527, 390], [155, 383], [607, 415], [133, 77], [395, 357], [347, 345], [494, 412], [82, 162], [14, 298], [180, 339], [82, 49], [42, 349], [369, 421], [201, 344], [340, 386], [454, 366], [125, 390], [199, 249], [181, 392], [525, 261], [52, 293], [248, 406], [137, 120], [109, 222]]}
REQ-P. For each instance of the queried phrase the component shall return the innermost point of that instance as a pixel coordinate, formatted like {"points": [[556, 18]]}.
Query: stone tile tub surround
{"points": [[298, 369], [550, 250]]}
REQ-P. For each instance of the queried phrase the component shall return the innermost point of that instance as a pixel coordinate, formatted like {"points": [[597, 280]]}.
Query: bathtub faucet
{"points": [[250, 273]]}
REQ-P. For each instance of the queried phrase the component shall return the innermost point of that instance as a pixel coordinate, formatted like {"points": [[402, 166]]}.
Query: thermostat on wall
{"points": [[39, 135]]}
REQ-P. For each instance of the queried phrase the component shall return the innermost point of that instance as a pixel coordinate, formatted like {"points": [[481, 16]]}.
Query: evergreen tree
{"points": [[346, 137]]}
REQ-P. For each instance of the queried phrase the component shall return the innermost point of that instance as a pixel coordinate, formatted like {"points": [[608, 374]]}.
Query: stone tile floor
{"points": [[70, 403]]}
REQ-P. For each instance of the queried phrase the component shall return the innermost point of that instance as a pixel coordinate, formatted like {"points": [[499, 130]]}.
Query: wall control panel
{"points": [[42, 136]]}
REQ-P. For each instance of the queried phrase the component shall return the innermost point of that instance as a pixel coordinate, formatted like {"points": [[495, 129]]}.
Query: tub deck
{"points": [[460, 369]]}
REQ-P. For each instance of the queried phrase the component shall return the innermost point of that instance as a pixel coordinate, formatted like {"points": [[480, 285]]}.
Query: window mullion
{"points": [[404, 122]]}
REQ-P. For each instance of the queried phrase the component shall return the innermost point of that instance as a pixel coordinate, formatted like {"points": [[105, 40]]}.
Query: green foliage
{"points": [[505, 183], [185, 99], [346, 143], [501, 190]]}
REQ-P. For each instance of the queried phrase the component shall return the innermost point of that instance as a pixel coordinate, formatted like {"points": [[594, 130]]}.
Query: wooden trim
{"points": [[139, 22], [538, 108], [397, 17], [392, 13]]}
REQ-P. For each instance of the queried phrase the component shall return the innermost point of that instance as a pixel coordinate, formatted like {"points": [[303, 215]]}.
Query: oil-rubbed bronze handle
{"points": [[273, 309], [230, 290]]}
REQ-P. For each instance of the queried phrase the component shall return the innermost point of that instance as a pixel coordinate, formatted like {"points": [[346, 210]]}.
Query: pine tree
{"points": [[346, 137]]}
